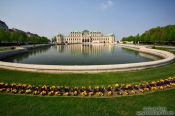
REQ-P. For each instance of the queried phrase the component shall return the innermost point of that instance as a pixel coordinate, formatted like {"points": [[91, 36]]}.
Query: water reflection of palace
{"points": [[84, 49]]}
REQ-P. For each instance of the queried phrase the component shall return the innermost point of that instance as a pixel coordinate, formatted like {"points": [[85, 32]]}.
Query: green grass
{"points": [[87, 79], [4, 48], [166, 49], [17, 105]]}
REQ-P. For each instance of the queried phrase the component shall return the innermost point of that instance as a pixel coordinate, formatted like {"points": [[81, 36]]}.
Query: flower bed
{"points": [[111, 90]]}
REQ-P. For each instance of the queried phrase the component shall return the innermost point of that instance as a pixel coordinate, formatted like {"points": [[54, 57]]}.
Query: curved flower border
{"points": [[112, 90]]}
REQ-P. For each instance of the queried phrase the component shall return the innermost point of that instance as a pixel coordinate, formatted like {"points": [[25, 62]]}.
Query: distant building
{"points": [[85, 37], [3, 25], [17, 30], [31, 34]]}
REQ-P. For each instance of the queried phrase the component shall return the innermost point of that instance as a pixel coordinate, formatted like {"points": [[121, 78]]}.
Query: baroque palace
{"points": [[85, 37]]}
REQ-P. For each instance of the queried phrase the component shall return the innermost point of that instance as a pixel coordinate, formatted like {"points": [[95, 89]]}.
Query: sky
{"points": [[121, 17]]}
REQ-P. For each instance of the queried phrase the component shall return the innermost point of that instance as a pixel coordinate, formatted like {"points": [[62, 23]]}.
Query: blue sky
{"points": [[122, 17]]}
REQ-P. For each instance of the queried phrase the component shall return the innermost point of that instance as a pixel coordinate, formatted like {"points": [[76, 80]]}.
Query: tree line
{"points": [[159, 35], [20, 38]]}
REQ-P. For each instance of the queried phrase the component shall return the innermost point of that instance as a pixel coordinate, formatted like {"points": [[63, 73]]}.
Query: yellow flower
{"points": [[57, 93], [14, 91], [99, 93], [8, 90], [128, 85], [97, 87], [91, 93], [125, 93], [1, 83], [141, 90], [29, 86], [133, 92], [28, 91], [110, 93], [153, 88], [52, 87], [153, 82], [66, 94], [44, 87], [84, 93], [168, 86], [24, 85], [51, 93], [75, 93], [172, 84], [146, 89], [35, 92], [116, 85], [170, 78], [161, 87], [43, 93]]}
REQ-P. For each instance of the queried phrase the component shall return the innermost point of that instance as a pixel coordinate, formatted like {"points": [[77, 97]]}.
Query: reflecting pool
{"points": [[81, 54]]}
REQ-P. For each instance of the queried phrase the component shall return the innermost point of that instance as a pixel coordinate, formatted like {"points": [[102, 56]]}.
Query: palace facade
{"points": [[85, 37]]}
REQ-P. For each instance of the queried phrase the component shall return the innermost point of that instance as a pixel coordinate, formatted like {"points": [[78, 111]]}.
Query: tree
{"points": [[155, 35]]}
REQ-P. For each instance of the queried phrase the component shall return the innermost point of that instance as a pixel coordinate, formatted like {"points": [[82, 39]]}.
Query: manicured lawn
{"points": [[4, 48], [166, 49], [21, 105]]}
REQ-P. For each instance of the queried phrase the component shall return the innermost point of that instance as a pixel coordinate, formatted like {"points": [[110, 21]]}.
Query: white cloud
{"points": [[106, 4]]}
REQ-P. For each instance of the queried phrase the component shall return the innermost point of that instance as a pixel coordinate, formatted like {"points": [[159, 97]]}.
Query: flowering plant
{"points": [[110, 90]]}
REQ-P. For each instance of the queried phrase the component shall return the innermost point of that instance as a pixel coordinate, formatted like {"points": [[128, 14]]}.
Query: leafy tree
{"points": [[155, 35]]}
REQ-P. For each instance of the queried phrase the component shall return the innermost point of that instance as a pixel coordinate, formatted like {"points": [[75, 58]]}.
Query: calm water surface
{"points": [[79, 54]]}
